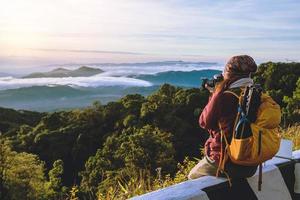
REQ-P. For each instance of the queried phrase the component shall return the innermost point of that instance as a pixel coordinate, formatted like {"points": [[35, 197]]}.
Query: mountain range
{"points": [[62, 72], [179, 78]]}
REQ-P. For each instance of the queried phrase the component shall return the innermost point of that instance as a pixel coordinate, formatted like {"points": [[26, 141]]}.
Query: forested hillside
{"points": [[120, 149]]}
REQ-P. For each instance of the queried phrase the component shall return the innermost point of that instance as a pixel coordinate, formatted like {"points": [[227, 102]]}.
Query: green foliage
{"points": [[130, 183], [11, 119], [159, 102], [130, 121], [144, 148], [293, 104], [5, 152], [176, 110], [127, 183], [132, 103], [55, 180], [279, 79], [74, 193], [71, 136], [22, 175]]}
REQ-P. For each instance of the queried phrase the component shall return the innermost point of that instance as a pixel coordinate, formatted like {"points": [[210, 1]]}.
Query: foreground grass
{"points": [[141, 182], [292, 133]]}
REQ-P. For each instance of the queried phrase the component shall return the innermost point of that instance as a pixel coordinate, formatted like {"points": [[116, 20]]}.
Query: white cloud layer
{"points": [[94, 81]]}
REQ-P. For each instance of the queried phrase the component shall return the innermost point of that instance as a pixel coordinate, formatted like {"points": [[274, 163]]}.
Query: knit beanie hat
{"points": [[240, 66]]}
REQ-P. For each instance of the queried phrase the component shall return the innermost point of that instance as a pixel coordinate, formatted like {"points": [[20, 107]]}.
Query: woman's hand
{"points": [[210, 89]]}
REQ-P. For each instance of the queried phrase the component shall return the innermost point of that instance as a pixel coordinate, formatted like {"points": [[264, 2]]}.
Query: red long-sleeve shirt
{"points": [[221, 109]]}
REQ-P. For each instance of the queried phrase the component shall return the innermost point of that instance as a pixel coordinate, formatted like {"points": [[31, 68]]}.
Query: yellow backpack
{"points": [[264, 140]]}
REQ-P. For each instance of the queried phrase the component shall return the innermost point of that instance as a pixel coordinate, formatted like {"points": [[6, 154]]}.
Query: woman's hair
{"points": [[242, 65], [224, 85], [237, 67]]}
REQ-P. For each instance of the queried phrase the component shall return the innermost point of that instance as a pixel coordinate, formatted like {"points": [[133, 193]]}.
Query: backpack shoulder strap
{"points": [[235, 92], [230, 92]]}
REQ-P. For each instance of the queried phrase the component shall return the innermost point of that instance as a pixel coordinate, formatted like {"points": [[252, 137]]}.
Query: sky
{"points": [[37, 33]]}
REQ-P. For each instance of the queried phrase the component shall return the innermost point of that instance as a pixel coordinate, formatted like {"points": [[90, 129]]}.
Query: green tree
{"points": [[130, 121], [5, 152], [278, 79], [22, 175], [293, 104], [144, 148], [132, 103], [158, 103], [55, 183]]}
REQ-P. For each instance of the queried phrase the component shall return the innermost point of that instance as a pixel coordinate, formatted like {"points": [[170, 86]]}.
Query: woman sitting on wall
{"points": [[220, 114]]}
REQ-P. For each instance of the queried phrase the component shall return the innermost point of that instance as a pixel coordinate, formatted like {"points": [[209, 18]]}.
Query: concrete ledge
{"points": [[279, 178]]}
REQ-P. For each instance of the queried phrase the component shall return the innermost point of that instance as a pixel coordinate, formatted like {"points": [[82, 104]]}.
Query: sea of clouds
{"points": [[92, 81], [112, 76]]}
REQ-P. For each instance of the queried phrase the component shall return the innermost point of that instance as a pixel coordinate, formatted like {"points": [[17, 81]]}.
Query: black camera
{"points": [[212, 82]]}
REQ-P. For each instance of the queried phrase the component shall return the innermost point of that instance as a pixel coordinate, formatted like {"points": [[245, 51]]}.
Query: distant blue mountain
{"points": [[44, 98], [61, 72], [185, 79]]}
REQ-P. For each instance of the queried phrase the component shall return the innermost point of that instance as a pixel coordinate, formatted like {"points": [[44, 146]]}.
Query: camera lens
{"points": [[204, 81]]}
